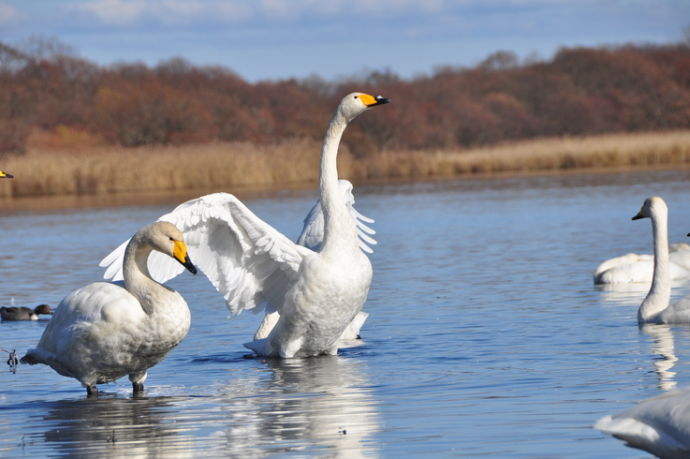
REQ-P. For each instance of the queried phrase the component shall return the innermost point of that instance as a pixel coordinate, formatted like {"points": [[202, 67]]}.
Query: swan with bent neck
{"points": [[104, 331], [311, 297], [656, 307]]}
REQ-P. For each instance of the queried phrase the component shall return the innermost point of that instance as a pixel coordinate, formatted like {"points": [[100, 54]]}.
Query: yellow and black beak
{"points": [[4, 174], [371, 101], [180, 254]]}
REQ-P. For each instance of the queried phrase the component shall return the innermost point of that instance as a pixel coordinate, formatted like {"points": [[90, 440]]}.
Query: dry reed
{"points": [[231, 166]]}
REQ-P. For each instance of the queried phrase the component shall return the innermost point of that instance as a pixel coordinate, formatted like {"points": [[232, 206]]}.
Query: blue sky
{"points": [[275, 39]]}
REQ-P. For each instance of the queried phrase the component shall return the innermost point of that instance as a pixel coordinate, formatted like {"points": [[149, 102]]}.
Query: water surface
{"points": [[486, 336]]}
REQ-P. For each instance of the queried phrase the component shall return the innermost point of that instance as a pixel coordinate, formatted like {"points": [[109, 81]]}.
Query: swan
{"points": [[104, 331], [4, 174], [24, 313], [634, 267], [660, 425], [655, 308], [311, 295]]}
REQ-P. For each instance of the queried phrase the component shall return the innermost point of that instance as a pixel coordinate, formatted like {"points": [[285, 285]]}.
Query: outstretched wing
{"points": [[245, 259], [312, 233]]}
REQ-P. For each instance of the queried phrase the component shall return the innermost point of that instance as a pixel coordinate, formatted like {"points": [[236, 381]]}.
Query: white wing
{"points": [[660, 425], [245, 259], [312, 233], [161, 267]]}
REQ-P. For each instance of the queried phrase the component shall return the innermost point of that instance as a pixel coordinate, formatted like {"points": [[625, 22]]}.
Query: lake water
{"points": [[486, 336]]}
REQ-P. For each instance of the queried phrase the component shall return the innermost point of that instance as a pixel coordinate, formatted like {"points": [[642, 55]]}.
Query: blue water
{"points": [[486, 336]]}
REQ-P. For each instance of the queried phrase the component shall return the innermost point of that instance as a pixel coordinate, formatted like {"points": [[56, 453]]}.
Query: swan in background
{"points": [[4, 174], [634, 267], [656, 308], [660, 425], [104, 331], [317, 294], [23, 313]]}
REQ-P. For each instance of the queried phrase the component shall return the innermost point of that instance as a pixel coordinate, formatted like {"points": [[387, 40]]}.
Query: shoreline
{"points": [[114, 177], [48, 204]]}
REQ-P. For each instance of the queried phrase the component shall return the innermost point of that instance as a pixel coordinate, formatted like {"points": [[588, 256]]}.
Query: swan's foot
{"points": [[92, 391], [137, 388]]}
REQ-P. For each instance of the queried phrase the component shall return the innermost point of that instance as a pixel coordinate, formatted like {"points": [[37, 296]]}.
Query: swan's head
{"points": [[651, 207], [4, 174], [166, 238], [358, 102], [43, 309]]}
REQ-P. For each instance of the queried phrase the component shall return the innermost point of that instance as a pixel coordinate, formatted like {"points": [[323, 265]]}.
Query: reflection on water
{"points": [[324, 402], [663, 347], [115, 427]]}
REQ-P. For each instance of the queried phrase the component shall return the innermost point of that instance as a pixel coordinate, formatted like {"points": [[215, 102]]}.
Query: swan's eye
{"points": [[356, 97], [171, 238]]}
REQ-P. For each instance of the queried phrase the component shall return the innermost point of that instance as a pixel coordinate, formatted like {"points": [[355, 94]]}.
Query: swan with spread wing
{"points": [[311, 296]]}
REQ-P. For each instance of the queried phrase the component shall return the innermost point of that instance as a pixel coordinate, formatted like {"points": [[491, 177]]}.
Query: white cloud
{"points": [[8, 13], [116, 12]]}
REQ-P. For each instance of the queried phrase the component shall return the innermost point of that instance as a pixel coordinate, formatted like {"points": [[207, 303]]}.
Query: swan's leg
{"points": [[92, 391], [138, 382]]}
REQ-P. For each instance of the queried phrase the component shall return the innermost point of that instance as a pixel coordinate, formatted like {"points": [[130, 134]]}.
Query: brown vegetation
{"points": [[581, 91], [70, 127], [238, 166]]}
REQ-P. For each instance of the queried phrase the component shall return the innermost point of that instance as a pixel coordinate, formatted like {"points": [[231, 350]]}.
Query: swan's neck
{"points": [[337, 218], [138, 281], [660, 293]]}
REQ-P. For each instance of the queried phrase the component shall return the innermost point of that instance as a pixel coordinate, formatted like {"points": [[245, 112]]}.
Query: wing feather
{"points": [[237, 251], [312, 233]]}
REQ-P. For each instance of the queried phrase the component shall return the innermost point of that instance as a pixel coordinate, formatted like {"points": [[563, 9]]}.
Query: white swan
{"points": [[656, 308], [634, 267], [104, 331], [660, 425], [316, 294]]}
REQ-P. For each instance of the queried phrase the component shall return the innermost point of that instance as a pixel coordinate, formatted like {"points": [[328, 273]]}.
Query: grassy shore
{"points": [[229, 166]]}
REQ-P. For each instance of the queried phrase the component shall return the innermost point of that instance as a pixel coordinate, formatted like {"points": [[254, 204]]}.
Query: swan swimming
{"points": [[633, 267], [316, 294], [660, 425], [656, 308], [104, 331]]}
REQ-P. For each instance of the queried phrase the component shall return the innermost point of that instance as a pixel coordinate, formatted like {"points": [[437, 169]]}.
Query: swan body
{"points": [[632, 267], [23, 313], [311, 295], [660, 425], [104, 331], [656, 307]]}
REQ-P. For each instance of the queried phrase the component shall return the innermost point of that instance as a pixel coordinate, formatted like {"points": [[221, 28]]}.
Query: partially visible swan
{"points": [[4, 174], [633, 267], [660, 425], [104, 331], [23, 313], [317, 294], [656, 308]]}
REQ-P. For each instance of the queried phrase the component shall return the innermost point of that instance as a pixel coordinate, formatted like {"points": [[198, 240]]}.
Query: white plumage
{"points": [[634, 267], [656, 307], [104, 331], [660, 425], [311, 296]]}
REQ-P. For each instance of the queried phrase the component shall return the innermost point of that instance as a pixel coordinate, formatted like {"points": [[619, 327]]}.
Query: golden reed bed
{"points": [[229, 166]]}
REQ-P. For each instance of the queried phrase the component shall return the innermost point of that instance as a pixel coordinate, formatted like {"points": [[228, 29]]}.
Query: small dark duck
{"points": [[23, 313]]}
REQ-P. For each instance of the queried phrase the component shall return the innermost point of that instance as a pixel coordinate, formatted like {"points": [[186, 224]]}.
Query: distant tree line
{"points": [[579, 91]]}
